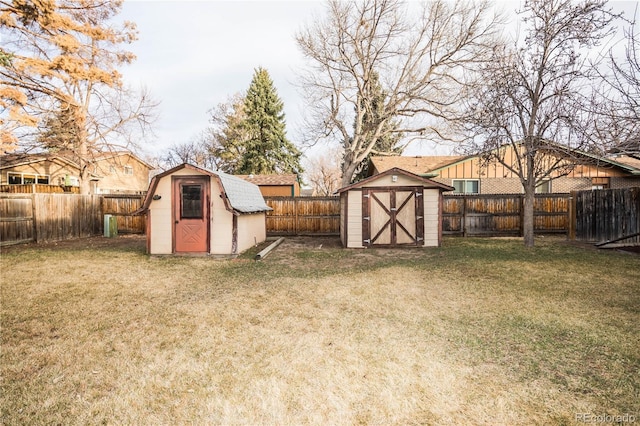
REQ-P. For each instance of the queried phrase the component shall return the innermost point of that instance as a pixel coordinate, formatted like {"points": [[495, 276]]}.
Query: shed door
{"points": [[393, 216], [191, 214]]}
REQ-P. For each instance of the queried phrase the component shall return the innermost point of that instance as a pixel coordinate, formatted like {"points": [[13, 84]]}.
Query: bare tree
{"points": [[59, 64], [529, 100], [196, 151], [226, 137], [323, 172], [617, 109], [419, 56]]}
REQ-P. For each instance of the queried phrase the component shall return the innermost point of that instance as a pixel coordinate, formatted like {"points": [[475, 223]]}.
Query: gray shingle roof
{"points": [[243, 196]]}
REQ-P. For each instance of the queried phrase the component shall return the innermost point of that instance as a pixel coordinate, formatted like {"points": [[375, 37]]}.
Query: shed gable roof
{"points": [[427, 183], [240, 196]]}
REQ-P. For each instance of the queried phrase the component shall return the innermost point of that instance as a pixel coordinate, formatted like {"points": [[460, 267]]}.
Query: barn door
{"points": [[393, 216], [191, 214]]}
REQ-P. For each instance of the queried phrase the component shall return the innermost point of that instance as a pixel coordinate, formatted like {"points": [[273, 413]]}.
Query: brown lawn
{"points": [[480, 331]]}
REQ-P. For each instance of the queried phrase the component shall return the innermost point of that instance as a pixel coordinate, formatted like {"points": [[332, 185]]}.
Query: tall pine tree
{"points": [[267, 149]]}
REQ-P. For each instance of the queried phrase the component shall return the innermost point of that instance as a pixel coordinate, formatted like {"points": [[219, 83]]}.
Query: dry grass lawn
{"points": [[480, 331]]}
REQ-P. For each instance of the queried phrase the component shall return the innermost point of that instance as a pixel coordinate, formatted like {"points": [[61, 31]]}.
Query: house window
{"points": [[466, 186], [191, 207], [600, 183], [544, 187], [27, 179], [128, 170]]}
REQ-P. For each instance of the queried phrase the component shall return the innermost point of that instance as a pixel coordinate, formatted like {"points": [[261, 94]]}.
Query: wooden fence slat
{"points": [[501, 214], [45, 217], [605, 215], [303, 215]]}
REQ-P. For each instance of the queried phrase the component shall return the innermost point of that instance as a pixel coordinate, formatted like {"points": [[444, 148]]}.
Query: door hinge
{"points": [[418, 194], [419, 217], [366, 218], [366, 241], [419, 239], [365, 195]]}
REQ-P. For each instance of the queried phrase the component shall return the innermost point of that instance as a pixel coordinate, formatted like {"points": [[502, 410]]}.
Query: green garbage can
{"points": [[110, 226]]}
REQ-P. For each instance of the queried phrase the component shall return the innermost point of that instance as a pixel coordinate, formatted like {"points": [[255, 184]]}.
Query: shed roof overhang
{"points": [[426, 182]]}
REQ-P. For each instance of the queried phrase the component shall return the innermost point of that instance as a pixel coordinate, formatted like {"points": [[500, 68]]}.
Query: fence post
{"points": [[34, 219], [296, 225], [521, 212], [572, 215], [464, 215]]}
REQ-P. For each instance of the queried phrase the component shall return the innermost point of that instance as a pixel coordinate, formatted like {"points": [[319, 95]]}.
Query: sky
{"points": [[194, 55]]}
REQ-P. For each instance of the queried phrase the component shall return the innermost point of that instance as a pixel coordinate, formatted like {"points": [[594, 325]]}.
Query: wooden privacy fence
{"points": [[54, 217], [38, 188], [303, 216], [502, 215], [465, 215], [606, 215]]}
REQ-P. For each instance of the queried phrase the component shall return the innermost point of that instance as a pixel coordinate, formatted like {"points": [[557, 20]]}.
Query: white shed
{"points": [[393, 208], [194, 210]]}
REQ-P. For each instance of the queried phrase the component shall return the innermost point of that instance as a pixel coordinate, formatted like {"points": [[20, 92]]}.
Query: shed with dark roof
{"points": [[194, 210]]}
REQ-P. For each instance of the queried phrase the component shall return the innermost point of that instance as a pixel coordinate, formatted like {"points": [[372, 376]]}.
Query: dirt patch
{"points": [[308, 242], [125, 242]]}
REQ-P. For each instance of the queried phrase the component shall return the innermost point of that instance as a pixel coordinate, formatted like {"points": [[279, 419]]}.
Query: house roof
{"points": [[419, 165], [628, 160], [15, 160], [240, 196], [113, 154], [271, 180], [397, 171], [20, 159], [431, 165]]}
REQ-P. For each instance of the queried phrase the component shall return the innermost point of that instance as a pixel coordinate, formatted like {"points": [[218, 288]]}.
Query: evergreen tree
{"points": [[267, 149]]}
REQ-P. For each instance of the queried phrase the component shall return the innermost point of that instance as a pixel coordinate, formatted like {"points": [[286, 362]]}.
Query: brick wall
{"points": [[566, 184], [561, 185], [618, 182]]}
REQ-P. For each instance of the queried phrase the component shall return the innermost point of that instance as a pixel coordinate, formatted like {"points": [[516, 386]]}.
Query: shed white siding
{"points": [[252, 230], [221, 227], [431, 217], [354, 219]]}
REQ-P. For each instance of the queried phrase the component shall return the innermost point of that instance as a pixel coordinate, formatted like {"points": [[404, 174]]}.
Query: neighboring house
{"points": [[119, 172], [471, 174], [195, 210], [39, 169], [277, 185]]}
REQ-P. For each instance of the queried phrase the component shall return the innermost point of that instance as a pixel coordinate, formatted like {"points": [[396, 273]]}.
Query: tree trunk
{"points": [[527, 216]]}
